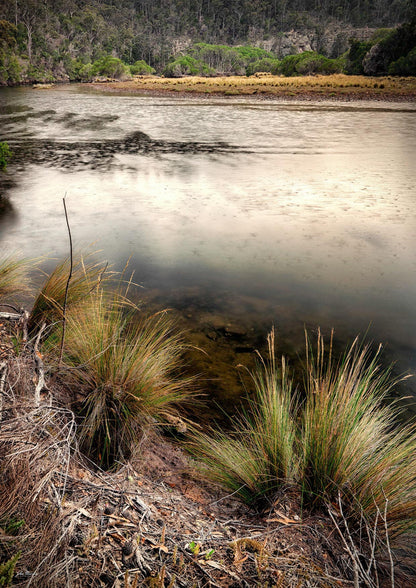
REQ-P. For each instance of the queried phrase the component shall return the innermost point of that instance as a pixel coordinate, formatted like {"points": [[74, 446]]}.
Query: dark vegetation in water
{"points": [[97, 154]]}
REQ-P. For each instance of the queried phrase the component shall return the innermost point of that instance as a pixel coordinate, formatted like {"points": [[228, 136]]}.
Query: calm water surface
{"points": [[262, 212]]}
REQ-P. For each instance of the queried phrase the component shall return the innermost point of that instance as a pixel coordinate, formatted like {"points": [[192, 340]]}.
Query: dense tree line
{"points": [[62, 39]]}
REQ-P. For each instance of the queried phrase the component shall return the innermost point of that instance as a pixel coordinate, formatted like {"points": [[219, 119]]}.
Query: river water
{"points": [[236, 211]]}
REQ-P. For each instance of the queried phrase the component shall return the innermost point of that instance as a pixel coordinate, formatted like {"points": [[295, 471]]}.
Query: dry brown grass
{"points": [[336, 85]]}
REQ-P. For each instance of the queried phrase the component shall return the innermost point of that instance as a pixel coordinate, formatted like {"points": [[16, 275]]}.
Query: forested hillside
{"points": [[54, 39]]}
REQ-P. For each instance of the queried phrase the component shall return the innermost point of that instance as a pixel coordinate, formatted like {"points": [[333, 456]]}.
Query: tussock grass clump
{"points": [[349, 439], [337, 437], [261, 455], [48, 305], [13, 276], [126, 366]]}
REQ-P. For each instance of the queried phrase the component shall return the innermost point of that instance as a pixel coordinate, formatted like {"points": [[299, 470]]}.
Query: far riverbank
{"points": [[337, 87]]}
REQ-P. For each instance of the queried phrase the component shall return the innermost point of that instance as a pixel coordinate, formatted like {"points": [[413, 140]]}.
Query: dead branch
{"points": [[41, 385], [71, 265], [3, 377]]}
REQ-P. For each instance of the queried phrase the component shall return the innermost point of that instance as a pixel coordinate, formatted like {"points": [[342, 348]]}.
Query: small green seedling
{"points": [[194, 548]]}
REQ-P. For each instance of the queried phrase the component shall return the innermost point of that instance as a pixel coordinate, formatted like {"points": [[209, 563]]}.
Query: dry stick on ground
{"points": [[384, 519], [3, 376], [41, 385], [360, 573], [61, 352]]}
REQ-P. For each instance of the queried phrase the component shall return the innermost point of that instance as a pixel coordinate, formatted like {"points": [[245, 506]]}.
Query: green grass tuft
{"points": [[13, 276], [126, 366], [260, 455], [48, 305], [338, 436]]}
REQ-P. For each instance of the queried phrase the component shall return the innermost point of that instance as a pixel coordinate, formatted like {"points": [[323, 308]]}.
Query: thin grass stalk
{"points": [[71, 267]]}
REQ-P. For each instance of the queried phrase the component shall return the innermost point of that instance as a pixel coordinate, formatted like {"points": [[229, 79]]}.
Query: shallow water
{"points": [[252, 212]]}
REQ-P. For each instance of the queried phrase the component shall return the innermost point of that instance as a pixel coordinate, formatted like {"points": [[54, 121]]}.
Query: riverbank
{"points": [[154, 521], [337, 87]]}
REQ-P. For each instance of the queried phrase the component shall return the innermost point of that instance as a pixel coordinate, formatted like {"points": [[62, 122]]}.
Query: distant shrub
{"points": [[380, 35], [253, 53], [141, 68], [267, 64], [310, 62], [78, 71], [358, 50], [187, 65], [110, 67], [225, 59], [10, 70], [394, 46], [39, 73], [405, 66]]}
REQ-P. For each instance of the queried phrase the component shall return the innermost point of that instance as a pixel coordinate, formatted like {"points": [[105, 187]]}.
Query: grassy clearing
{"points": [[336, 437], [336, 85]]}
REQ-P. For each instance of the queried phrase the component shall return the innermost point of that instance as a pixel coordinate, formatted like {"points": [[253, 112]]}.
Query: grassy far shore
{"points": [[337, 86]]}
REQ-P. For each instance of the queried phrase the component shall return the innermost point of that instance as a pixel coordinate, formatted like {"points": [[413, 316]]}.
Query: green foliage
{"points": [[126, 366], [78, 70], [141, 68], [250, 54], [341, 437], [38, 73], [5, 155], [10, 70], [358, 50], [399, 43], [8, 34], [7, 570], [12, 526], [380, 35], [111, 67], [187, 65], [309, 62], [405, 66], [267, 64]]}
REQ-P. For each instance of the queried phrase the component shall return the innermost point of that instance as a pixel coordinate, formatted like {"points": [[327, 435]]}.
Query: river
{"points": [[240, 213]]}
